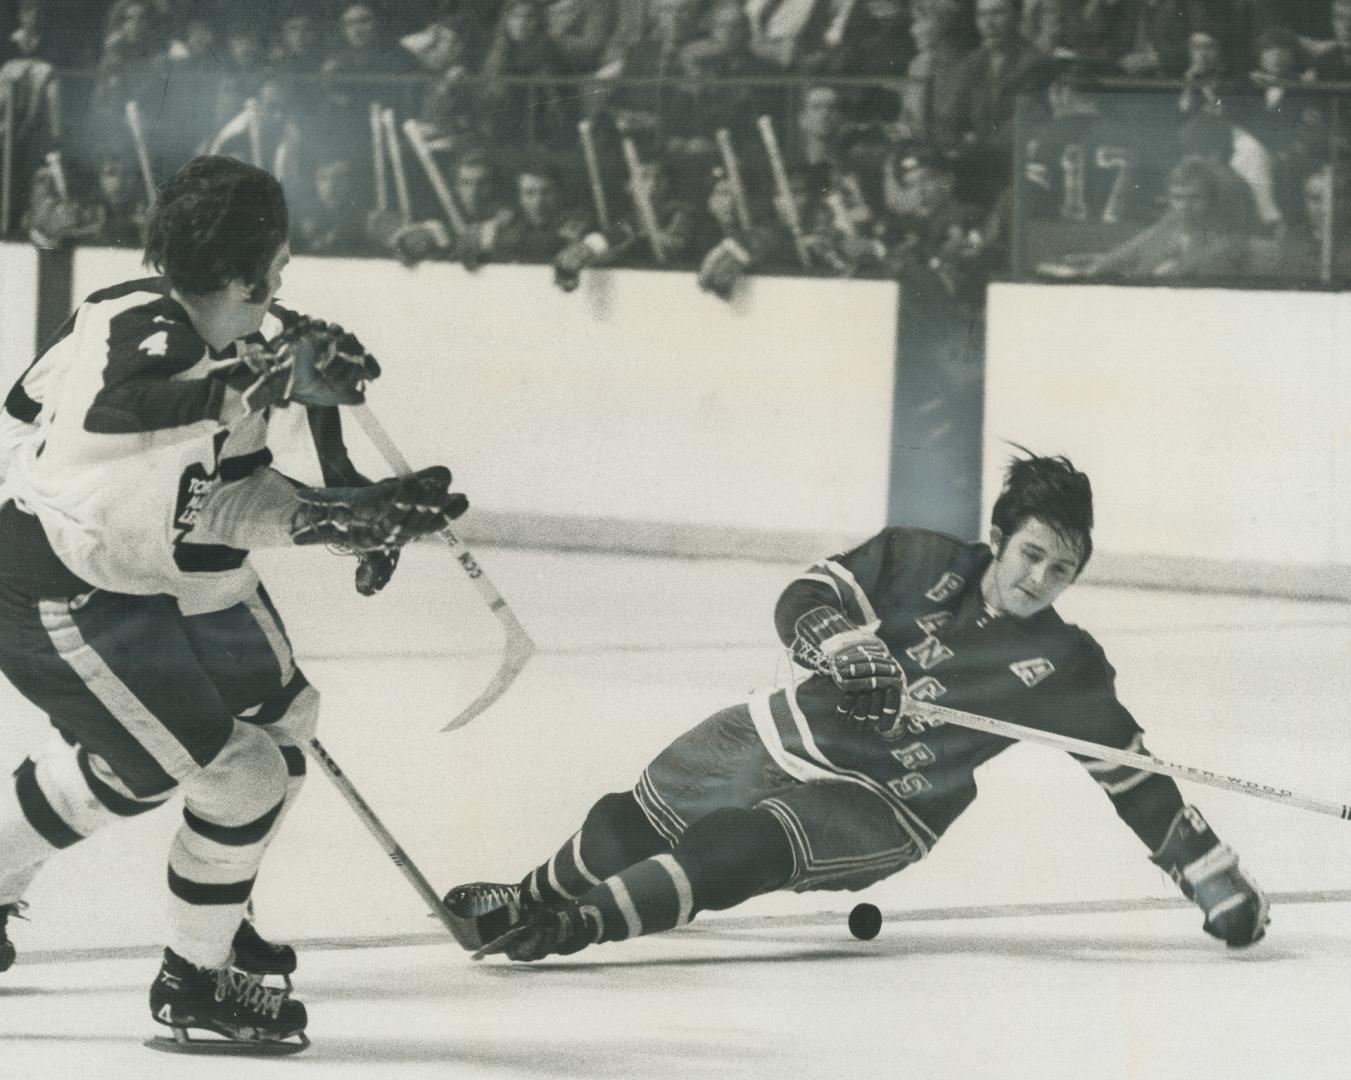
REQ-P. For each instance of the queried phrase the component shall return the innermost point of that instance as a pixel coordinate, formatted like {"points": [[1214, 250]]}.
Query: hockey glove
{"points": [[374, 569], [310, 362], [871, 682], [1208, 873], [379, 518], [723, 267]]}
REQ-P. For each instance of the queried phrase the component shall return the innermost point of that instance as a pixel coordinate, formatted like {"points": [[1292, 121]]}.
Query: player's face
{"points": [[1030, 570], [254, 308]]}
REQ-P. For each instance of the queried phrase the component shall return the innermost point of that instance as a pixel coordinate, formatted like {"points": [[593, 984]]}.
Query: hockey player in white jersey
{"points": [[129, 611]]}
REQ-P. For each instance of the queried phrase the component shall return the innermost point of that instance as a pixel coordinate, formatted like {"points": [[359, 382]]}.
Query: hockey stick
{"points": [[142, 150], [642, 200], [6, 161], [936, 714], [316, 752], [519, 645], [733, 169], [396, 165], [378, 159], [434, 177], [785, 190], [593, 176]]}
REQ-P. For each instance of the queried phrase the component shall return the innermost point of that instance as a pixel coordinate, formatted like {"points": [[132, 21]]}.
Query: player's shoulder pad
{"points": [[153, 334]]}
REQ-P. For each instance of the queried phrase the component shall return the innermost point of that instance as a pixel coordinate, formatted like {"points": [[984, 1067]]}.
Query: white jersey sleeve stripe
{"points": [[870, 620]]}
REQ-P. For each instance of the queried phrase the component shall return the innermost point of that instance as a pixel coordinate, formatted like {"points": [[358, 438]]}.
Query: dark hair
{"points": [[1051, 490], [214, 221]]}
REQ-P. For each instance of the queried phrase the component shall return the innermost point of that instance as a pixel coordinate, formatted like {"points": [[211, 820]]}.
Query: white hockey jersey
{"points": [[129, 448]]}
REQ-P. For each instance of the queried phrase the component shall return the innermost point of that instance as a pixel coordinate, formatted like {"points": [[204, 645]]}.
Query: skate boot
{"points": [[7, 952], [255, 955], [482, 912], [250, 1018], [546, 931]]}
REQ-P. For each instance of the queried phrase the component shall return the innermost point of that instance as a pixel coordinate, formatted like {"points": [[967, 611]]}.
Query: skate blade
{"points": [[182, 1043]]}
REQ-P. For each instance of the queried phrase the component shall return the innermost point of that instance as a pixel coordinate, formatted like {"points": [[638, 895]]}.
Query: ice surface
{"points": [[1036, 942]]}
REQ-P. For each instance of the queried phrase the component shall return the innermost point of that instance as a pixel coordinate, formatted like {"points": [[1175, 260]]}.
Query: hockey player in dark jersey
{"points": [[829, 784], [138, 478]]}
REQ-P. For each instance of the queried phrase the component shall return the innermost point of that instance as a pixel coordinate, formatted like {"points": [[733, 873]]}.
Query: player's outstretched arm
{"points": [[870, 680], [1207, 872]]}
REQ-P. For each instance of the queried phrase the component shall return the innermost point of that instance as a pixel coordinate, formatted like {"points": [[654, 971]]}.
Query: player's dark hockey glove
{"points": [[1208, 873], [310, 362], [723, 267], [374, 569], [382, 517], [871, 683]]}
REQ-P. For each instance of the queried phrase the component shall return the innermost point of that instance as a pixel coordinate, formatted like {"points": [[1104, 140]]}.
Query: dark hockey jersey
{"points": [[920, 593]]}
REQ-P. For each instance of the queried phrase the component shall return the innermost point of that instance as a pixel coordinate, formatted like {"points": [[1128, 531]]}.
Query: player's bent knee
{"points": [[243, 782], [733, 854], [618, 833]]}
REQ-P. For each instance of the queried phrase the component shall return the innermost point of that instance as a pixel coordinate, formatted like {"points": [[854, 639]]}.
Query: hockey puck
{"points": [[865, 921]]}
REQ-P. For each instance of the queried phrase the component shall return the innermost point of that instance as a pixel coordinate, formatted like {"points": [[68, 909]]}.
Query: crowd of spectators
{"points": [[630, 132]]}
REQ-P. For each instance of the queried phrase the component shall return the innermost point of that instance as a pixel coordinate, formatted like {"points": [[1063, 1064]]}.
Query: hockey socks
{"points": [[615, 834], [723, 859]]}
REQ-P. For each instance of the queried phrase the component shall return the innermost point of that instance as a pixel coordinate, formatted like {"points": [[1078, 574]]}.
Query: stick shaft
{"points": [[316, 752], [593, 174], [733, 167], [378, 159], [785, 190], [142, 150], [255, 132], [396, 165], [424, 155], [642, 199], [1144, 762]]}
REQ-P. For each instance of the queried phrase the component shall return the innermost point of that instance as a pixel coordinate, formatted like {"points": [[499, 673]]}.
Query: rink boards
{"points": [[640, 415]]}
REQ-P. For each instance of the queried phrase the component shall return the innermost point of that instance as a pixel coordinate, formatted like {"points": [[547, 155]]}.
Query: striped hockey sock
{"points": [[649, 897]]}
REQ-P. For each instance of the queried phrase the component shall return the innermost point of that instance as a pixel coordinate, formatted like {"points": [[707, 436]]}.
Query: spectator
{"points": [[299, 49], [333, 223], [450, 42], [781, 30], [1199, 236], [580, 30], [988, 81], [642, 104], [1334, 65], [133, 68], [1320, 239], [30, 40], [450, 110], [724, 52], [119, 204], [931, 88], [55, 216], [674, 218], [633, 22], [1149, 37], [934, 243], [521, 48], [194, 46], [541, 224], [1207, 76], [1244, 167], [364, 48], [867, 37], [244, 50], [1055, 26]]}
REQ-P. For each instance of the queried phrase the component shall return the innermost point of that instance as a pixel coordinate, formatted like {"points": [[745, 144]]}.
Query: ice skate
{"points": [[546, 931], [248, 1017], [7, 952], [482, 912], [255, 955]]}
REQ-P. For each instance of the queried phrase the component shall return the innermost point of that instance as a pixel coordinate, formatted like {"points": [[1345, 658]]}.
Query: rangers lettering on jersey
{"points": [[1033, 671], [947, 586], [928, 653], [933, 621]]}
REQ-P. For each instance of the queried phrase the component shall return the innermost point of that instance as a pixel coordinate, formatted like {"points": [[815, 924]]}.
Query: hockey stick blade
{"points": [[939, 714], [519, 646]]}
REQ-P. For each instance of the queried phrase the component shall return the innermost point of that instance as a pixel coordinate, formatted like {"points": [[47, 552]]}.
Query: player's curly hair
{"points": [[1049, 489], [214, 221]]}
